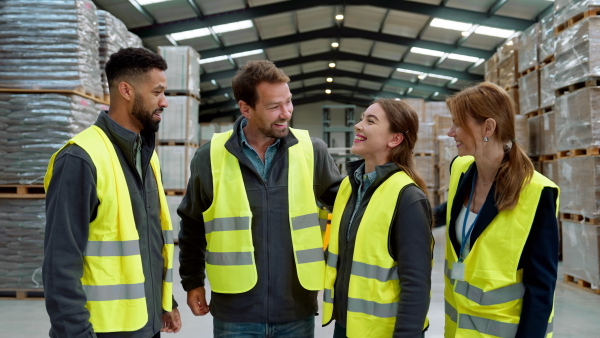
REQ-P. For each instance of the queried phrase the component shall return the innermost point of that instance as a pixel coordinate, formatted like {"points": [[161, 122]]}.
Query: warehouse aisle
{"points": [[577, 311]]}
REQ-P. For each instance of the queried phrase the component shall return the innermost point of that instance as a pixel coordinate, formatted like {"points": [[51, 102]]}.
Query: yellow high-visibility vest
{"points": [[113, 279], [374, 288], [488, 302], [230, 263]]}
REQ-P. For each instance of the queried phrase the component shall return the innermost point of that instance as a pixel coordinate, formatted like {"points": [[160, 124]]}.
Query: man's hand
{"points": [[171, 321], [196, 300]]}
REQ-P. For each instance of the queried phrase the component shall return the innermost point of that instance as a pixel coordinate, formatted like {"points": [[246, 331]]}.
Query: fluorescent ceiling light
{"points": [[329, 79], [339, 17], [441, 76], [234, 26], [409, 90], [149, 2], [449, 24], [215, 59], [465, 33], [327, 91], [332, 65], [335, 44], [497, 32], [436, 93], [463, 57], [251, 52], [195, 33], [426, 51], [422, 76], [453, 81], [409, 71]]}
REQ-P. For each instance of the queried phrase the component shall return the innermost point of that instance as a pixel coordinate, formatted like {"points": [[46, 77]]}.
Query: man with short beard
{"points": [[108, 245], [249, 216]]}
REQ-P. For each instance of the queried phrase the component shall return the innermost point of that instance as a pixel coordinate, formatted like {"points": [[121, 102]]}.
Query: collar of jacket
{"points": [[487, 212], [383, 172], [125, 139]]}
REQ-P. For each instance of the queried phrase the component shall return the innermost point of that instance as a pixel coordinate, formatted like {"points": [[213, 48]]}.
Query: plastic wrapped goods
{"points": [[509, 48], [180, 120], [425, 139], [207, 130], [113, 36], [547, 134], [550, 170], [507, 72], [443, 123], [134, 40], [528, 47], [22, 223], [577, 119], [447, 151], [567, 9], [579, 182], [514, 94], [547, 79], [175, 165], [533, 128], [581, 252], [173, 202], [578, 52], [183, 73], [426, 167], [547, 41], [529, 92], [434, 108], [522, 131], [49, 44], [35, 126], [419, 106]]}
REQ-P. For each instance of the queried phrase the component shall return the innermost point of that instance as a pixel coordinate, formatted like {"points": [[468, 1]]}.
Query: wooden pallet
{"points": [[539, 112], [80, 92], [547, 60], [529, 70], [22, 191], [594, 82], [423, 154], [181, 93], [581, 284], [572, 21], [578, 218], [174, 192], [579, 152], [546, 158], [22, 294]]}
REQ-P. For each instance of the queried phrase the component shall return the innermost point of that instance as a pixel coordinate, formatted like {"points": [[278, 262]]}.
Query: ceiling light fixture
{"points": [[424, 51], [234, 26], [327, 91], [465, 33], [402, 70], [332, 65], [422, 76], [440, 76], [149, 2], [335, 44], [497, 32], [409, 90], [215, 59], [339, 17], [194, 33], [449, 24], [461, 57], [250, 52], [329, 79]]}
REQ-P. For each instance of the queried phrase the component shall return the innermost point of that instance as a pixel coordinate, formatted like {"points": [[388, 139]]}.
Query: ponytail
{"points": [[514, 173]]}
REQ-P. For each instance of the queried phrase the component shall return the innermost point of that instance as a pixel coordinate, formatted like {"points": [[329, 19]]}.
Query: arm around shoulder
{"points": [[327, 175]]}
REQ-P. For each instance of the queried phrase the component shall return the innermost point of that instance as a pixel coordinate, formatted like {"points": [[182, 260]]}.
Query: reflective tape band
{"points": [[229, 258], [492, 297], [450, 311], [168, 236], [374, 271], [327, 298], [487, 326], [372, 308], [112, 248], [227, 224], [169, 276], [113, 292], [448, 272], [550, 327], [305, 221], [310, 255], [323, 224], [332, 260]]}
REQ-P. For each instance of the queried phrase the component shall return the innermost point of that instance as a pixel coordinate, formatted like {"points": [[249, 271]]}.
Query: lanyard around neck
{"points": [[464, 228]]}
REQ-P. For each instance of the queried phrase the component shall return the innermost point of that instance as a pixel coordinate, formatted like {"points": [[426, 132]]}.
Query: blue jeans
{"points": [[304, 328], [340, 331]]}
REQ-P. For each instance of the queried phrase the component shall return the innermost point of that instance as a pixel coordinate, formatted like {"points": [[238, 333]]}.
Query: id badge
{"points": [[458, 271]]}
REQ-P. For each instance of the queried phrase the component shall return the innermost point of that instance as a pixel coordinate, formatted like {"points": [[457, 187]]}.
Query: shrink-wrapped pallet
{"points": [[447, 151], [509, 48], [547, 86], [207, 130], [528, 48], [225, 126], [547, 41], [547, 134], [418, 105], [434, 108], [491, 69], [113, 36], [529, 89], [35, 126], [577, 119], [533, 129], [173, 202], [425, 139], [507, 72], [134, 41], [522, 131], [22, 223], [581, 252], [426, 167], [442, 195], [183, 74], [514, 95], [567, 9], [432, 197], [49, 44], [579, 182], [550, 170], [578, 52], [443, 123], [180, 120], [175, 166]]}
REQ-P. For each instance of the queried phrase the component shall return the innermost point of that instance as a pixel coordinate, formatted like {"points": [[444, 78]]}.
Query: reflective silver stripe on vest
{"points": [[169, 276], [227, 224], [374, 271], [372, 308], [492, 297], [310, 255], [229, 258], [112, 248], [550, 327], [450, 311], [323, 224], [327, 296], [168, 236], [487, 326], [305, 221], [448, 272], [332, 259], [113, 292]]}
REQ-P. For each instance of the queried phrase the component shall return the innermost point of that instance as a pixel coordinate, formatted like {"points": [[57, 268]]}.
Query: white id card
{"points": [[458, 271]]}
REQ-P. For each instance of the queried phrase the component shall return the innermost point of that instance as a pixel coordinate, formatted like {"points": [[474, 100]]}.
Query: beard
{"points": [[144, 116], [271, 131]]}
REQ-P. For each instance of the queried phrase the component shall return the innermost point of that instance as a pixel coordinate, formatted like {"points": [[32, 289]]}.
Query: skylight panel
{"points": [[463, 57], [215, 59], [426, 51], [449, 24], [234, 26], [250, 52], [195, 33], [497, 32]]}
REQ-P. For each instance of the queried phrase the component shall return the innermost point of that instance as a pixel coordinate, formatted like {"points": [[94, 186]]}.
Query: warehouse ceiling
{"points": [[347, 51]]}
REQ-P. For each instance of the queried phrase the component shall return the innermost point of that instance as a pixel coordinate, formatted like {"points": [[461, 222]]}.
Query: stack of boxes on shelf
{"points": [[179, 133]]}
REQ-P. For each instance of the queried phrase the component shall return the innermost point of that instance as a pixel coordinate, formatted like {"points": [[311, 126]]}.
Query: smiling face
{"points": [[373, 136], [271, 114], [150, 100], [466, 137]]}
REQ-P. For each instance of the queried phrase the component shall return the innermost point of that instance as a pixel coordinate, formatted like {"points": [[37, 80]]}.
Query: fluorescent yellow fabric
{"points": [[488, 302], [374, 289], [113, 279], [230, 250]]}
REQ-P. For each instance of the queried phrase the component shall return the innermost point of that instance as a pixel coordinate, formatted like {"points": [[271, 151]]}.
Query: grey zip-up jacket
{"points": [[71, 204], [278, 295], [410, 243]]}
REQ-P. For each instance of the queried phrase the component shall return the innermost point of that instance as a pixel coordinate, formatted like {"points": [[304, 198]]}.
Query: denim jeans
{"points": [[340, 331], [304, 328]]}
